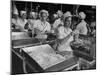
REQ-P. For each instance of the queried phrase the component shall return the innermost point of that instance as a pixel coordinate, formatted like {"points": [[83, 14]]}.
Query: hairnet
{"points": [[82, 15]]}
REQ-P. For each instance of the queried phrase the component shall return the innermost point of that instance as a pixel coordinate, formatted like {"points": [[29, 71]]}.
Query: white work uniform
{"points": [[82, 28], [19, 23], [62, 33], [22, 24], [57, 23], [42, 27]]}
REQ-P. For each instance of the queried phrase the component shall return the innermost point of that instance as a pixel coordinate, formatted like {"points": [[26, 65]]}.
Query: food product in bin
{"points": [[44, 55], [47, 60]]}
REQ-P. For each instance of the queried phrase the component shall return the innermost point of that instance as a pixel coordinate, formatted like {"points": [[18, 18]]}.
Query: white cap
{"points": [[55, 15], [60, 12], [67, 14], [22, 12], [43, 11], [82, 15], [15, 11], [32, 13]]}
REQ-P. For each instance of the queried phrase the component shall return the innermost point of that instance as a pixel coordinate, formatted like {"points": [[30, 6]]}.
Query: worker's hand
{"points": [[75, 32]]}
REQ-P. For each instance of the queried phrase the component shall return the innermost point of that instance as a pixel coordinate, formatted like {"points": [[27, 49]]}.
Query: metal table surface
{"points": [[17, 46], [36, 67], [29, 42]]}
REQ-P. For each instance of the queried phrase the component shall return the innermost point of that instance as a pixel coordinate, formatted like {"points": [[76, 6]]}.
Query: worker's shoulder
{"points": [[82, 23]]}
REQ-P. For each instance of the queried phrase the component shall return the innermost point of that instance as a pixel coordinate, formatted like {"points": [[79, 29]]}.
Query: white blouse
{"points": [[43, 27]]}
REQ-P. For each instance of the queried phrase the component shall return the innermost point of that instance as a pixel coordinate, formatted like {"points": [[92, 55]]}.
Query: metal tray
{"points": [[41, 54]]}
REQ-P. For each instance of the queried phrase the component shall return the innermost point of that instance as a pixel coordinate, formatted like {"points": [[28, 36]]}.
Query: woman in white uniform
{"points": [[59, 21], [65, 35], [82, 26], [22, 21], [32, 19], [15, 17], [41, 26]]}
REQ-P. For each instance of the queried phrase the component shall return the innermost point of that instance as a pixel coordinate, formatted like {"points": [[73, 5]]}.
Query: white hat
{"points": [[43, 11], [15, 11], [82, 15], [60, 12], [32, 13], [22, 12], [67, 14], [55, 15]]}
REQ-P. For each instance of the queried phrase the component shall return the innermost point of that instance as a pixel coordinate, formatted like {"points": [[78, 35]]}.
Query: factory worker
{"points": [[65, 34], [82, 26], [59, 13], [14, 17], [41, 26], [32, 19], [59, 21], [22, 21]]}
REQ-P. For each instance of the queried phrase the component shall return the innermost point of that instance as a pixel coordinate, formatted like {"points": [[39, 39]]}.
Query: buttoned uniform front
{"points": [[42, 27]]}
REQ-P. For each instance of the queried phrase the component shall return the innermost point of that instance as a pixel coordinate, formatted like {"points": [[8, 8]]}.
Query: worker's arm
{"points": [[62, 41]]}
